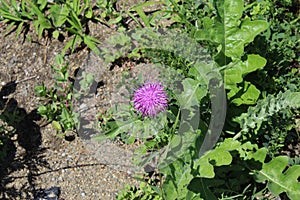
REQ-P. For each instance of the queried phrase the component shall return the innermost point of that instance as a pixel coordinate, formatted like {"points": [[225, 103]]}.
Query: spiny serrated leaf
{"points": [[267, 107]]}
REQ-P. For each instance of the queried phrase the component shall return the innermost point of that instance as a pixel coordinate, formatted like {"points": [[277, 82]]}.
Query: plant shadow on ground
{"points": [[26, 136]]}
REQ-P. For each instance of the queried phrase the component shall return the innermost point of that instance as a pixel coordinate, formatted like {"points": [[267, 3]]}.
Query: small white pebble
{"points": [[82, 194]]}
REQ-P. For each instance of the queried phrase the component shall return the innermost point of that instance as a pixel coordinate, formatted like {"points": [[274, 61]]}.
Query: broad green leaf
{"points": [[259, 155], [236, 70], [188, 97], [229, 30], [234, 74], [281, 180], [253, 63], [202, 185], [237, 38], [216, 157], [213, 31], [249, 96], [231, 11]]}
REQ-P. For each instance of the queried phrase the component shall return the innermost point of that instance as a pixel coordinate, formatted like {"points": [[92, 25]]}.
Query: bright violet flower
{"points": [[150, 99]]}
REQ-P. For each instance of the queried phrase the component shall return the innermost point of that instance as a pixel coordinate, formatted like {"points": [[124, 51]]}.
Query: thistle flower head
{"points": [[150, 99]]}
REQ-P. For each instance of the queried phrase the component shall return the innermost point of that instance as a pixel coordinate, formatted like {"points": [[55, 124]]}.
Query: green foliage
{"points": [[191, 178], [177, 180], [279, 178], [232, 34], [224, 28], [252, 120], [196, 179], [58, 107], [280, 41], [253, 43], [144, 192], [57, 18]]}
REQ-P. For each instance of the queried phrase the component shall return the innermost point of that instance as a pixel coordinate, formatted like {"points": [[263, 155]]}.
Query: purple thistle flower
{"points": [[150, 99]]}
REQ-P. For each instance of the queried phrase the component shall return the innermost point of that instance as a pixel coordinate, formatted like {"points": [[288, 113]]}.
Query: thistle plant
{"points": [[150, 99]]}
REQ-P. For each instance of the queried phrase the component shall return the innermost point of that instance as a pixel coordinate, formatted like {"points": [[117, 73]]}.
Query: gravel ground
{"points": [[36, 158]]}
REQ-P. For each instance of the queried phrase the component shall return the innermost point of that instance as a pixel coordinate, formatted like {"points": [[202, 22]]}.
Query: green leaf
{"points": [[201, 185], [178, 178], [42, 3], [216, 157], [41, 90], [188, 97], [234, 74], [59, 14], [281, 180], [141, 13], [237, 33], [89, 13], [229, 30], [119, 129], [91, 43], [253, 63], [56, 125], [265, 108], [14, 4], [74, 21], [249, 30], [249, 96], [19, 29], [11, 17], [43, 110], [33, 7], [55, 34], [236, 70], [72, 43], [115, 20]]}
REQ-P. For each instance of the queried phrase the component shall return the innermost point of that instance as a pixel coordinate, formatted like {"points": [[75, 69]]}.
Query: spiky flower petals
{"points": [[150, 99]]}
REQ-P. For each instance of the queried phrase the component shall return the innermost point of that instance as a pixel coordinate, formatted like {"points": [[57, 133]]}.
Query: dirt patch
{"points": [[35, 158]]}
